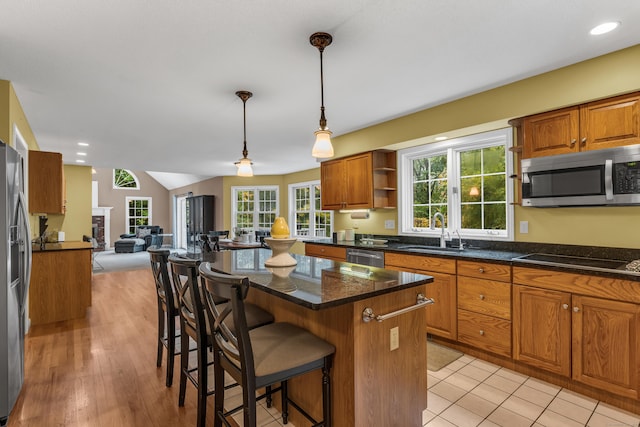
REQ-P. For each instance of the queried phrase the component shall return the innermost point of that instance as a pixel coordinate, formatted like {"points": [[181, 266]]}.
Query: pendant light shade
{"points": [[322, 147], [244, 164]]}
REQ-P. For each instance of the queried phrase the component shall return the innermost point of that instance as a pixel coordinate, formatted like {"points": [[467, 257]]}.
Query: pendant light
{"points": [[322, 147], [244, 164]]}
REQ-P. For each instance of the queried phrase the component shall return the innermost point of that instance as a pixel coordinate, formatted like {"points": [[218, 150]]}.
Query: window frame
{"points": [[256, 189], [127, 217], [452, 148], [133, 175], [312, 212]]}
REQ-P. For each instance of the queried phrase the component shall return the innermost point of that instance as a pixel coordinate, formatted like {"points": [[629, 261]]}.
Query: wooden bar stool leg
{"points": [[184, 365], [326, 393], [160, 335], [285, 402], [171, 349]]}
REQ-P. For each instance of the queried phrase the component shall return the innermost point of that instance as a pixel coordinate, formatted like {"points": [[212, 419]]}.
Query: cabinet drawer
{"points": [[419, 262], [322, 251], [485, 270], [485, 296], [485, 332]]}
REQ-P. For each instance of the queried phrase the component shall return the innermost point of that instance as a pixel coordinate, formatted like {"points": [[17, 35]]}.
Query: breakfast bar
{"points": [[374, 317]]}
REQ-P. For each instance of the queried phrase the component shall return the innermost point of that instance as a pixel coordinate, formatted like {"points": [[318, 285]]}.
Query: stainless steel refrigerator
{"points": [[15, 248]]}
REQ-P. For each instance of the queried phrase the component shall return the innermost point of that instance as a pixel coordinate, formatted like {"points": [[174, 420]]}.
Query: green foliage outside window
{"points": [[123, 178]]}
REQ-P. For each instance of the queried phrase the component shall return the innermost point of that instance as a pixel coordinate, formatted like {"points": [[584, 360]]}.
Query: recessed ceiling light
{"points": [[604, 28], [83, 144], [441, 138], [79, 161], [80, 153]]}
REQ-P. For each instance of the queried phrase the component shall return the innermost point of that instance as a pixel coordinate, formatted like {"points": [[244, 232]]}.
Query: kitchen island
{"points": [[60, 282], [379, 372]]}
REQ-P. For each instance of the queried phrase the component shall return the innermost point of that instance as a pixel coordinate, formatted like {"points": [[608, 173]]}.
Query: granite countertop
{"points": [[315, 283], [508, 253], [61, 246]]}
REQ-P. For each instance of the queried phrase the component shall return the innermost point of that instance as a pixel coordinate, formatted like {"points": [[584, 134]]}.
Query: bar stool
{"points": [[194, 324], [167, 309], [259, 357]]}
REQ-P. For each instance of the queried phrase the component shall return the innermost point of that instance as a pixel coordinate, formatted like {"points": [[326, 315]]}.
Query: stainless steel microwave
{"points": [[590, 178]]}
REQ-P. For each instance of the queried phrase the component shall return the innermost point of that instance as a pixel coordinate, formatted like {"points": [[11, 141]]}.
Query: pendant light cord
{"points": [[323, 120]]}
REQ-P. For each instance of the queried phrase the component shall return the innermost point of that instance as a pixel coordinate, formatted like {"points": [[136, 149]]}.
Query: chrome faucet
{"points": [[443, 242], [460, 244]]}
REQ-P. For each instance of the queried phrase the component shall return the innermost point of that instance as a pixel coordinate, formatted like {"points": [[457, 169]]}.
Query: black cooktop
{"points": [[583, 262]]}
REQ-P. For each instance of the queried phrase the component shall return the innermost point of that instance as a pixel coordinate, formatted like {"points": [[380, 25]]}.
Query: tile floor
{"points": [[472, 392]]}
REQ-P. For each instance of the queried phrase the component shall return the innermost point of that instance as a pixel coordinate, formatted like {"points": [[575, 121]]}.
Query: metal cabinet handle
{"points": [[573, 142], [584, 141], [481, 270], [576, 309], [482, 297], [368, 314], [481, 332], [565, 306]]}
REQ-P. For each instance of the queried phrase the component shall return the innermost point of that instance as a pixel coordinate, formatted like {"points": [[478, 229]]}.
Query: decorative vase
{"points": [[280, 229], [280, 252]]}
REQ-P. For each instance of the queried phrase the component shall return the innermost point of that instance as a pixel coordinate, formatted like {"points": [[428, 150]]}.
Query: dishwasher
{"points": [[364, 257]]}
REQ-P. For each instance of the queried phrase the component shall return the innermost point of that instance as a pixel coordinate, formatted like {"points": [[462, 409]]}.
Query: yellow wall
{"points": [[77, 220], [11, 114], [601, 77]]}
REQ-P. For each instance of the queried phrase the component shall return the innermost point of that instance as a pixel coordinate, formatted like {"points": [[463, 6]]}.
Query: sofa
{"points": [[145, 237]]}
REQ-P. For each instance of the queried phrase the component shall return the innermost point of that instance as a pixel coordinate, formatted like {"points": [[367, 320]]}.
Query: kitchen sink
{"points": [[597, 264], [426, 248]]}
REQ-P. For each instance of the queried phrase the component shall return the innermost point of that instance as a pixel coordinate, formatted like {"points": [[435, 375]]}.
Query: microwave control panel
{"points": [[626, 178]]}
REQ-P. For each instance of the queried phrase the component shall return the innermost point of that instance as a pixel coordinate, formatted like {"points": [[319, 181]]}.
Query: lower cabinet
{"points": [[542, 328], [484, 306], [595, 341], [441, 315], [323, 251]]}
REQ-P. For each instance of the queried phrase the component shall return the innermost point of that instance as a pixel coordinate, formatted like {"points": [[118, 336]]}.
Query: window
{"points": [[254, 208], [306, 216], [125, 179], [466, 180], [138, 212]]}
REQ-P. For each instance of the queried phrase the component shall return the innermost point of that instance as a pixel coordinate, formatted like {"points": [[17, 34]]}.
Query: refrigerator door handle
{"points": [[25, 242]]}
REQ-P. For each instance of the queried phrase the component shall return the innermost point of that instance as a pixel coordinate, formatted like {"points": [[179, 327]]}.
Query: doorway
{"points": [[180, 203]]}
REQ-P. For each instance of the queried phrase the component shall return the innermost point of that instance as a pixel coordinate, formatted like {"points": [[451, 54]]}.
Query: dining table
{"points": [[376, 319]]}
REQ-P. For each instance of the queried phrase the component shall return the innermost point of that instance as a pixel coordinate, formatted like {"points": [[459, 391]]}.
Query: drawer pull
{"points": [[565, 306], [576, 309], [482, 297], [368, 315], [481, 270], [481, 332]]}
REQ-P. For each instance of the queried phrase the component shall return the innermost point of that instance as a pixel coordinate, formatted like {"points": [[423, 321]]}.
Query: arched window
{"points": [[125, 179]]}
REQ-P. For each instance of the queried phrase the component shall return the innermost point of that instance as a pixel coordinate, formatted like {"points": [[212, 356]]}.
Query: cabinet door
{"points": [[442, 315], [542, 328], [555, 132], [332, 176], [46, 183], [610, 123], [323, 251], [605, 344], [359, 182]]}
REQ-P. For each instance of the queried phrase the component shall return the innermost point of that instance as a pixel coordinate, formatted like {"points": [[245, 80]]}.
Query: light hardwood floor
{"points": [[101, 371]]}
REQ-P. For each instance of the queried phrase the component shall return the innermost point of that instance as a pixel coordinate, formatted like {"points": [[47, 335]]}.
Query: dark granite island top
{"points": [[315, 283], [379, 369]]}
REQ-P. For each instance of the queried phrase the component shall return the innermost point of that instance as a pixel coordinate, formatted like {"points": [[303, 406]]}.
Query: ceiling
{"points": [[150, 84]]}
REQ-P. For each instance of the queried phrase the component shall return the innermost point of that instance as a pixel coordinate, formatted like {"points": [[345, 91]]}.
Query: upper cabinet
{"points": [[607, 123], [362, 181], [47, 191]]}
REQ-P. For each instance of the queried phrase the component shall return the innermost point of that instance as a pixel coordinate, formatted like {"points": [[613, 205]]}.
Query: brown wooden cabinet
{"points": [[605, 340], [324, 251], [542, 328], [47, 192], [580, 326], [441, 315], [484, 306], [607, 123], [363, 181]]}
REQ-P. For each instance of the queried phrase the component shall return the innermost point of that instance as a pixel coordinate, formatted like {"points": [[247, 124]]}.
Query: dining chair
{"points": [[261, 357], [260, 235], [215, 236], [194, 324], [167, 309]]}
